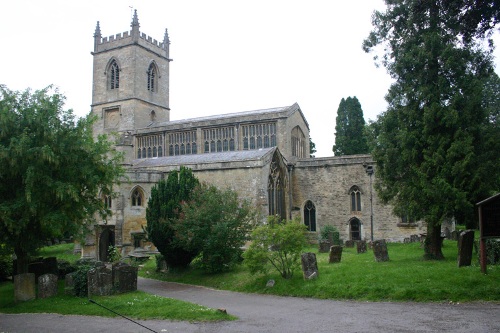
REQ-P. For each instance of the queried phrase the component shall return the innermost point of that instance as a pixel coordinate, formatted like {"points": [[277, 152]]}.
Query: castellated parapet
{"points": [[125, 38]]}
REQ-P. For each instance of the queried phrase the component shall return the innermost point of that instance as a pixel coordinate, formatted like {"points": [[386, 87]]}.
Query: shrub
{"points": [[80, 280], [278, 244], [326, 230], [5, 263]]}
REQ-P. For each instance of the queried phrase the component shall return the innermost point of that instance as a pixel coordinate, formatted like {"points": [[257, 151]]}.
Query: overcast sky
{"points": [[229, 55]]}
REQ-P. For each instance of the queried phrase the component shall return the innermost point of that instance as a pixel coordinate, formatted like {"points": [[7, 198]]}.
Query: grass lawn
{"points": [[406, 277], [137, 305]]}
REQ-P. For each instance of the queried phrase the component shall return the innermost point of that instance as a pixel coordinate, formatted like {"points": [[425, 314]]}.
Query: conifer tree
{"points": [[350, 138]]}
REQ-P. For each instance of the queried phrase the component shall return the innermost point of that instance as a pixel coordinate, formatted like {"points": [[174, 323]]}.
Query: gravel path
{"points": [[273, 314]]}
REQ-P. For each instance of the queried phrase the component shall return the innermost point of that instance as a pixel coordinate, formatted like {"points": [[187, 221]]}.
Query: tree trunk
{"points": [[23, 259], [433, 242]]}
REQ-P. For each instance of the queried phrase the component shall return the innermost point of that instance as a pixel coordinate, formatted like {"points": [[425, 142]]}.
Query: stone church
{"points": [[262, 154]]}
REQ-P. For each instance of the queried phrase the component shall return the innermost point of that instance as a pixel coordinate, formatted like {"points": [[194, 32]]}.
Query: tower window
{"points": [[152, 77], [114, 75]]}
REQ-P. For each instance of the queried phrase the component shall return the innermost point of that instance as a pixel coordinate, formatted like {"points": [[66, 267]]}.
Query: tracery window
{"points": [[219, 139], [113, 75], [298, 143], [152, 78], [310, 216], [182, 143], [137, 198], [256, 136], [355, 195], [150, 146], [107, 201], [276, 190]]}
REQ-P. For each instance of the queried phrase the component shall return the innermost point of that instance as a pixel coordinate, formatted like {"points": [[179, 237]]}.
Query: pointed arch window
{"points": [[355, 195], [355, 229], [152, 78], [137, 198], [113, 75], [310, 216]]}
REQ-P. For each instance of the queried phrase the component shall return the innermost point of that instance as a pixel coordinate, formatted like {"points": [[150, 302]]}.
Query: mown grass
{"points": [[136, 305], [406, 277]]}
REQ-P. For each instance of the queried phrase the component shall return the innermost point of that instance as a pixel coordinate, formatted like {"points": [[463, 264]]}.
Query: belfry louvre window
{"points": [[182, 143], [256, 136], [355, 195], [218, 139], [152, 78], [150, 146], [114, 75]]}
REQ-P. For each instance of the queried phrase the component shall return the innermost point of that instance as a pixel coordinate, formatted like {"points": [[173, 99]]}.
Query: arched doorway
{"points": [[355, 229], [106, 239]]}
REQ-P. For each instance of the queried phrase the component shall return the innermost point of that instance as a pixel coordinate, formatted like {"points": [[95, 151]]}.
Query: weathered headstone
{"points": [[414, 238], [335, 253], [270, 283], [361, 246], [349, 243], [309, 265], [465, 245], [24, 287], [454, 235], [100, 281], [324, 246], [380, 250], [124, 278], [47, 285], [69, 284]]}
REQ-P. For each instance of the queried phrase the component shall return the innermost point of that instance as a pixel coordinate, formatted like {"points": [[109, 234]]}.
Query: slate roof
{"points": [[231, 156]]}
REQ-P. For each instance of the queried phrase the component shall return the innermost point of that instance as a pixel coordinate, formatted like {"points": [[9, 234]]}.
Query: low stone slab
{"points": [[335, 254], [380, 250], [309, 265], [47, 285], [24, 287]]}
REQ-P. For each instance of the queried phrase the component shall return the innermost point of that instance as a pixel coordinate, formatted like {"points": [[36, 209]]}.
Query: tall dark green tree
{"points": [[51, 171], [430, 141], [350, 135], [163, 211], [312, 148]]}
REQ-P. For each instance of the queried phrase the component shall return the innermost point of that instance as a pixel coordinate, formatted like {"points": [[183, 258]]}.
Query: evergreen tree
{"points": [[350, 138], [164, 209], [430, 142], [51, 171], [312, 148]]}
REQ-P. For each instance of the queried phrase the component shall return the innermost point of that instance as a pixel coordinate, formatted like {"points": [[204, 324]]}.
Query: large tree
{"points": [[350, 135], [164, 209], [51, 171], [430, 141]]}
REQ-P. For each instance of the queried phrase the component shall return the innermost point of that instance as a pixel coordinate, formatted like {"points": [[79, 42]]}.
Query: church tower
{"points": [[130, 83]]}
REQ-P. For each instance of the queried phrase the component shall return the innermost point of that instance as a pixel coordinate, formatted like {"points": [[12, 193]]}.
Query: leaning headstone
{"points": [[309, 265], [100, 281], [324, 246], [361, 246], [349, 243], [124, 278], [47, 286], [465, 245], [24, 287], [380, 250], [69, 284], [335, 253]]}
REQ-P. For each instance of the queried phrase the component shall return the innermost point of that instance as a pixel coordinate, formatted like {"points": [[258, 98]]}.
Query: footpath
{"points": [[273, 314]]}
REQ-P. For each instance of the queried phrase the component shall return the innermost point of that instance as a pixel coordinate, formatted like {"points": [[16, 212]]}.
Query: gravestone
{"points": [[349, 243], [465, 245], [124, 278], [77, 249], [361, 246], [380, 250], [69, 284], [24, 287], [324, 246], [454, 235], [100, 281], [309, 265], [47, 286], [335, 254], [406, 240], [270, 283], [414, 238]]}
